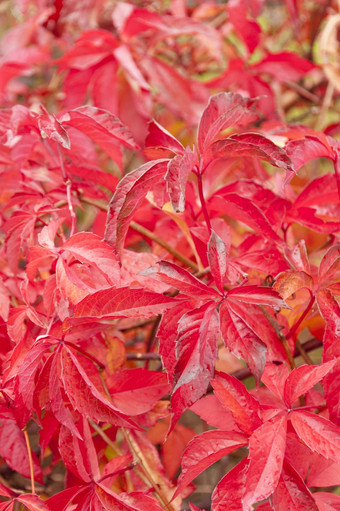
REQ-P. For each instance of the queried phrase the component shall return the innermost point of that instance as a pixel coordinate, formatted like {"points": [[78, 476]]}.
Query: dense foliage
{"points": [[170, 215]]}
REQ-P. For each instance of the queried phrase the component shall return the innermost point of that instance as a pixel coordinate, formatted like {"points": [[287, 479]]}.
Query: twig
{"points": [[303, 352], [30, 459], [149, 234], [146, 469], [106, 439], [152, 339], [143, 356], [203, 204], [320, 121]]}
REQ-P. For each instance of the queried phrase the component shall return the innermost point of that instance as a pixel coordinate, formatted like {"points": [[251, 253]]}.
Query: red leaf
{"points": [[84, 396], [318, 433], [327, 501], [196, 352], [60, 411], [245, 211], [183, 96], [91, 249], [302, 151], [266, 452], [249, 30], [176, 178], [159, 142], [234, 397], [102, 127], [204, 450], [33, 502], [13, 450], [241, 339], [133, 501], [292, 493], [136, 391], [51, 128], [123, 302], [257, 295], [304, 378], [251, 145], [229, 491], [180, 279], [129, 195], [285, 66], [218, 260], [224, 110], [211, 410]]}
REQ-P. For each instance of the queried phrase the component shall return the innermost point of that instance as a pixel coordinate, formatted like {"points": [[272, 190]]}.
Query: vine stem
{"points": [[337, 173], [106, 439], [202, 199], [30, 459], [139, 456], [147, 233], [301, 318]]}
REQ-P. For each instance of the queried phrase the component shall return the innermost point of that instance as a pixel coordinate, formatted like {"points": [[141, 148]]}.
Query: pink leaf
{"points": [[303, 150], [285, 66]]}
